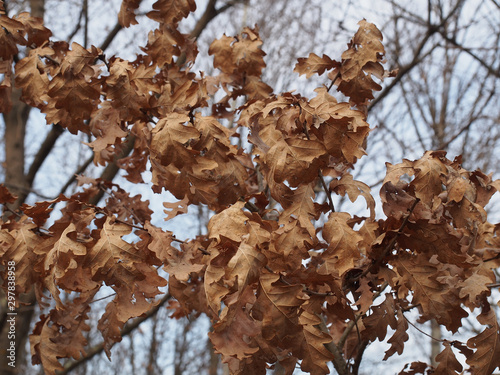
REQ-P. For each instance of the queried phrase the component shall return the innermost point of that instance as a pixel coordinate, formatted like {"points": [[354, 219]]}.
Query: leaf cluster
{"points": [[282, 275]]}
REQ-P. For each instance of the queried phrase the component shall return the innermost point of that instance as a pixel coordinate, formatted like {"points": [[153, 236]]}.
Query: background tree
{"points": [[440, 16]]}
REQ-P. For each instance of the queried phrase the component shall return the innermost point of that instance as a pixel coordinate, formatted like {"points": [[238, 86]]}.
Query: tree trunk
{"points": [[435, 344], [15, 180]]}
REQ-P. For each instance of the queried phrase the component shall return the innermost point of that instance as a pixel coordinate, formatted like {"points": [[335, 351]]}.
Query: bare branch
{"points": [[127, 330]]}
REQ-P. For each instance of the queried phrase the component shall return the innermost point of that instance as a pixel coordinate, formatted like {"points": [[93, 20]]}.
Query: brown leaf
{"points": [[233, 333], [17, 243], [437, 298], [5, 195], [61, 334], [381, 318], [128, 88], [353, 189], [399, 337], [163, 44], [314, 65], [37, 33], [277, 307], [245, 266], [474, 287], [343, 252], [105, 125], [416, 367], [229, 223], [126, 16], [241, 54], [301, 207], [11, 34], [314, 354], [448, 364], [171, 11], [176, 208], [294, 160], [486, 358], [170, 140], [57, 253], [366, 47], [123, 267], [32, 78]]}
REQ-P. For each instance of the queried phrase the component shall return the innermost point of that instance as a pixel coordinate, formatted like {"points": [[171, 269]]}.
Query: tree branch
{"points": [[210, 13], [127, 330], [339, 362], [489, 68], [431, 30]]}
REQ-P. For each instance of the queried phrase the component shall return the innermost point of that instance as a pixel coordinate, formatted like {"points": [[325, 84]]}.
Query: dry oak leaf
{"points": [[397, 202], [439, 239], [312, 350], [366, 47], [343, 252], [170, 139], [245, 266], [474, 287], [486, 357], [256, 89], [229, 223], [123, 267], [11, 34], [105, 125], [80, 60], [277, 307], [232, 334], [32, 78], [301, 207], [326, 107], [399, 337], [72, 100], [126, 16], [17, 242], [58, 254], [172, 209], [353, 189], [33, 26], [239, 55], [448, 363], [365, 299], [428, 172], [128, 88], [163, 44], [381, 318], [294, 160], [43, 350], [314, 64], [182, 264], [5, 195], [289, 246], [61, 334], [171, 11], [359, 90], [339, 137], [437, 299], [214, 289], [416, 367]]}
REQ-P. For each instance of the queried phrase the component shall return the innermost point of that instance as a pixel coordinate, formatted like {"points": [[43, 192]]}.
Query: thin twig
{"points": [[127, 330], [339, 361], [418, 329], [391, 244]]}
